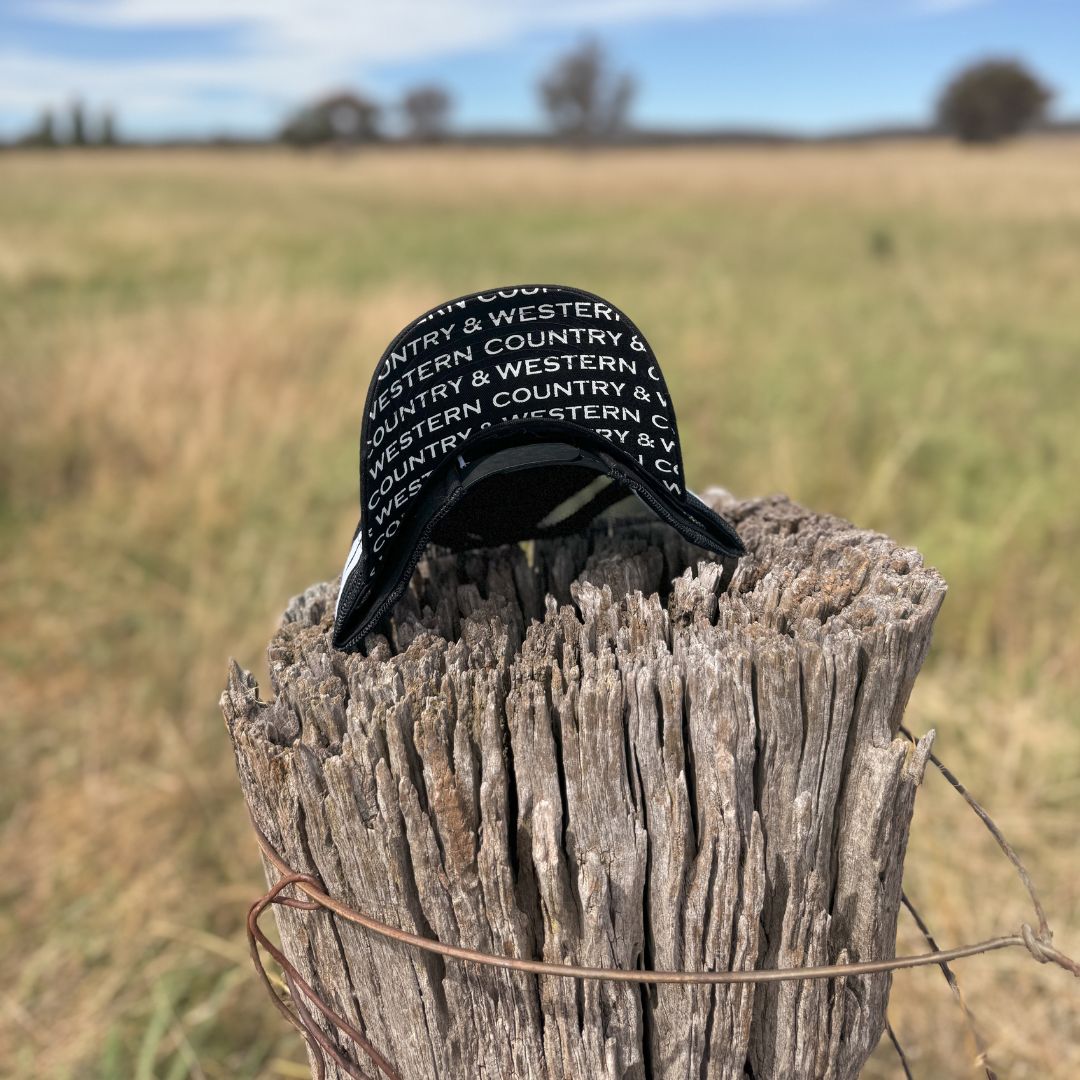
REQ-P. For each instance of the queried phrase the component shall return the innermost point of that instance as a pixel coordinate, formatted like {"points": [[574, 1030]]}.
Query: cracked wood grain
{"points": [[609, 751]]}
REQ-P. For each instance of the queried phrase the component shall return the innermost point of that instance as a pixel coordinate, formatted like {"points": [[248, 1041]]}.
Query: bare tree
{"points": [[991, 101], [584, 99], [78, 124], [107, 130], [427, 112]]}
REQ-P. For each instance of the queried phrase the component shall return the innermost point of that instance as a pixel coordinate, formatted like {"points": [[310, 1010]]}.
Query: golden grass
{"points": [[889, 332], [1034, 179]]}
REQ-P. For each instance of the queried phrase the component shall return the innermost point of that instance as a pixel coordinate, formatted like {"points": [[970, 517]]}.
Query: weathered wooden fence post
{"points": [[608, 755]]}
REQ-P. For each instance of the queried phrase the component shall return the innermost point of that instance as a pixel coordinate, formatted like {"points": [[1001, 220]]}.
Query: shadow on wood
{"points": [[614, 754]]}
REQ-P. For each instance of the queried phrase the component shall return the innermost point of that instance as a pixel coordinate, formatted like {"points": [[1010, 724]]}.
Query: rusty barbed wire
{"points": [[899, 1050], [982, 1052], [997, 834], [1039, 946]]}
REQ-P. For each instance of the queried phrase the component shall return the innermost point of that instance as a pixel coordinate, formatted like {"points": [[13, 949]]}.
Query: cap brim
{"points": [[693, 519]]}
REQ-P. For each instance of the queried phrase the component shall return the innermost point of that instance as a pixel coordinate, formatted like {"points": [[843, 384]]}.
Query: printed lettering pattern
{"points": [[519, 353]]}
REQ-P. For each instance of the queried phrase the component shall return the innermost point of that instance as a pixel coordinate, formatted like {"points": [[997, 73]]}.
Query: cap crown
{"points": [[485, 362]]}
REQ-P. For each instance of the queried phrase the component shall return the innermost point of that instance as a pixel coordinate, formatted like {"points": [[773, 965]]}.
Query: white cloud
{"points": [[382, 31], [283, 50], [386, 26], [942, 7]]}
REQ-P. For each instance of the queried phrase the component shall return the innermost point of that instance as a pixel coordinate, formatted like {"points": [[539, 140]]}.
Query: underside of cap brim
{"points": [[693, 519]]}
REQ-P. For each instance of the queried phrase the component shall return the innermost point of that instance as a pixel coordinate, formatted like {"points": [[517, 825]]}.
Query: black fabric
{"points": [[482, 379], [494, 511], [511, 354]]}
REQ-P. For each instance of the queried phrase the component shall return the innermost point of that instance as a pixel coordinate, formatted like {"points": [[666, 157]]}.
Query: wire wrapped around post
{"points": [[1038, 945]]}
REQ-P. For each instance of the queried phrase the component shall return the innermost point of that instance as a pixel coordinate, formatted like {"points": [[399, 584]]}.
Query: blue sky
{"points": [[186, 67]]}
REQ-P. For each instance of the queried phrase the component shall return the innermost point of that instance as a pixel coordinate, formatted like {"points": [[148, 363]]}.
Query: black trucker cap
{"points": [[506, 415]]}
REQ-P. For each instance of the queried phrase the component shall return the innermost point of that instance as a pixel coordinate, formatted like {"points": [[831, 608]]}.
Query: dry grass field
{"points": [[891, 333]]}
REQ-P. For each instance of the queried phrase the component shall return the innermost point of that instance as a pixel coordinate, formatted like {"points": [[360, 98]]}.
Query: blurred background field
{"points": [[889, 332]]}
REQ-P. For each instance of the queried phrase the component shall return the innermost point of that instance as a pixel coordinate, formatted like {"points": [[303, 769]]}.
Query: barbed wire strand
{"points": [[982, 1052], [899, 1050], [981, 1049], [1045, 932], [320, 1044]]}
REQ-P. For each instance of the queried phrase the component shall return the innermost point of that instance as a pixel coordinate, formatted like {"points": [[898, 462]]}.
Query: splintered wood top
{"points": [[608, 750]]}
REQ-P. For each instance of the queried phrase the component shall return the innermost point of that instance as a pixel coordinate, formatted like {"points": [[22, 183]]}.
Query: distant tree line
{"points": [[75, 128], [585, 101]]}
